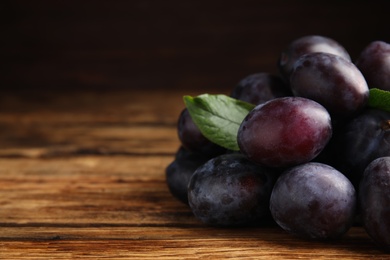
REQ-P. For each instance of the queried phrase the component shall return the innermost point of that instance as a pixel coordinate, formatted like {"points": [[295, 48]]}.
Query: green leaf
{"points": [[218, 117], [379, 99]]}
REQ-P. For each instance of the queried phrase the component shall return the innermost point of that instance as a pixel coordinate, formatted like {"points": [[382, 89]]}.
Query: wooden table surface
{"points": [[82, 175]]}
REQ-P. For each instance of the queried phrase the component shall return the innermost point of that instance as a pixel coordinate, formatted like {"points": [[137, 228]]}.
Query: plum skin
{"points": [[285, 132], [374, 63], [360, 141], [192, 139], [374, 199], [308, 44], [260, 87], [229, 190], [332, 81], [178, 173], [314, 201]]}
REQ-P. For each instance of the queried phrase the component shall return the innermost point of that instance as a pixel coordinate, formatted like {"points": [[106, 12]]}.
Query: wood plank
{"points": [[127, 122], [87, 189], [136, 243]]}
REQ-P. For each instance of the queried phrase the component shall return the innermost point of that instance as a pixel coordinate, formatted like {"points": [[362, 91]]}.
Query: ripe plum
{"points": [[260, 87], [285, 132], [374, 63], [180, 170], [229, 190], [332, 81], [362, 139], [374, 199], [192, 139], [308, 44], [313, 200]]}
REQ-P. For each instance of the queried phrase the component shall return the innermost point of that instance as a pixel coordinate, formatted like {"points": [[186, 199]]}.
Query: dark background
{"points": [[103, 45]]}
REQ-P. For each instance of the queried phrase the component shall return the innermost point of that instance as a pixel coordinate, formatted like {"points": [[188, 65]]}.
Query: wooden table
{"points": [[82, 175]]}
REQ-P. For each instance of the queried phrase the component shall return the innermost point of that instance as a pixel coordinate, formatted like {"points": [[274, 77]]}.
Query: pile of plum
{"points": [[313, 156]]}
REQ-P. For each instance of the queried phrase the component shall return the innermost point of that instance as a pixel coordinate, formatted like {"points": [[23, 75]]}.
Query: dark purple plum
{"points": [[308, 44], [229, 190], [285, 132], [260, 87], [314, 201], [374, 63], [192, 139], [362, 140], [332, 81], [374, 199], [180, 170]]}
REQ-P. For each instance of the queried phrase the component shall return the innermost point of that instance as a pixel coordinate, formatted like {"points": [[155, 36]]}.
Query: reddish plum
{"points": [[285, 132]]}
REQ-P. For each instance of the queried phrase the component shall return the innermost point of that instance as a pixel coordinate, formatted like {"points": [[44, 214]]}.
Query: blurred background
{"points": [[104, 45]]}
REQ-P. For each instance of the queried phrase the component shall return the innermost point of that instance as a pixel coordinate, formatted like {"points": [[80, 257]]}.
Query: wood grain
{"points": [[82, 175]]}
